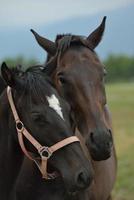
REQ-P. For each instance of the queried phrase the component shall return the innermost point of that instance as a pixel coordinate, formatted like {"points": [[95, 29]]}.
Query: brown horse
{"points": [[79, 76]]}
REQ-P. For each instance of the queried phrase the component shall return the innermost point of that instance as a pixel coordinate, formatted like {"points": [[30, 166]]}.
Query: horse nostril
{"points": [[92, 137], [110, 132], [108, 145], [110, 135], [82, 180]]}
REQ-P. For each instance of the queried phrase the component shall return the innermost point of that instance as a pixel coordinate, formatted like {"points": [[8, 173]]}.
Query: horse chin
{"points": [[98, 156], [72, 194]]}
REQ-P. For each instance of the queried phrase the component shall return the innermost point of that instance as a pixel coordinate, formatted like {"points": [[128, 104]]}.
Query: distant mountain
{"points": [[118, 37]]}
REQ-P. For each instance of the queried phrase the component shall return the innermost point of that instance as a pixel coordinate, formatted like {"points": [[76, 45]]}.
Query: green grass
{"points": [[121, 102]]}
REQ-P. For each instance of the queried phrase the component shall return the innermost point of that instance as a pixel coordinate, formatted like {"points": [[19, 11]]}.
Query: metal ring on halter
{"points": [[19, 126], [45, 152]]}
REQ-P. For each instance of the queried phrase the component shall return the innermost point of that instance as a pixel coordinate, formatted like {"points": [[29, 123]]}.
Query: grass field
{"points": [[121, 102]]}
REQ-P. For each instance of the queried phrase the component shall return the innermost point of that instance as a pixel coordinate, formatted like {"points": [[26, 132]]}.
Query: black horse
{"points": [[47, 117]]}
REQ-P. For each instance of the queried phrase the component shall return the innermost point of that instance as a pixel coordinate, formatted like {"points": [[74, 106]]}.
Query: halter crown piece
{"points": [[44, 152]]}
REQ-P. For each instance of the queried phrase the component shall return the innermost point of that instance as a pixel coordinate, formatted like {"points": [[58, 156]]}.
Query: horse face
{"points": [[50, 125], [47, 117], [80, 76]]}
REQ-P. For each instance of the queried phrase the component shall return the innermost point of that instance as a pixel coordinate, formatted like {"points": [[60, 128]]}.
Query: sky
{"points": [[50, 17], [16, 13]]}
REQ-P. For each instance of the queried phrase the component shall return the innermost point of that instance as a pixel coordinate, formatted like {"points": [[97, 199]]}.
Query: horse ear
{"points": [[7, 74], [95, 37], [9, 77], [46, 44]]}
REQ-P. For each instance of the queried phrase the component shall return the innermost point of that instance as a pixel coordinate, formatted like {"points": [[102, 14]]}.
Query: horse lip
{"points": [[72, 193], [51, 169], [98, 157]]}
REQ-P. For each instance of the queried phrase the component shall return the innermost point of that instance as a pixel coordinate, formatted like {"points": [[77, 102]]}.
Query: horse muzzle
{"points": [[100, 145]]}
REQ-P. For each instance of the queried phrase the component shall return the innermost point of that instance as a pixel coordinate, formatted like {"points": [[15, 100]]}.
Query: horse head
{"points": [[46, 116], [79, 75]]}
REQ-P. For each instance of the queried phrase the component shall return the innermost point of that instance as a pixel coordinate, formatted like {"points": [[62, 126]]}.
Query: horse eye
{"points": [[38, 118], [61, 78]]}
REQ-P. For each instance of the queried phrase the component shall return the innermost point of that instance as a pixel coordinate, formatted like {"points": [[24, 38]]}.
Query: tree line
{"points": [[119, 67]]}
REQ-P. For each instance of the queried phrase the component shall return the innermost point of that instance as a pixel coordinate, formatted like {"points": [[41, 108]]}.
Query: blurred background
{"points": [[47, 17]]}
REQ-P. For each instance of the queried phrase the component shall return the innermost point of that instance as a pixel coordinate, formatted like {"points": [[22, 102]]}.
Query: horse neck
{"points": [[10, 153]]}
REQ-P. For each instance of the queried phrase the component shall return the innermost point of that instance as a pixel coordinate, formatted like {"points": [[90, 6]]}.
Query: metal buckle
{"points": [[19, 126], [45, 152]]}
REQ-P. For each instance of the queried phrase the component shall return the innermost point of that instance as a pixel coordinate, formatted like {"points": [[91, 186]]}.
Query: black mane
{"points": [[34, 82]]}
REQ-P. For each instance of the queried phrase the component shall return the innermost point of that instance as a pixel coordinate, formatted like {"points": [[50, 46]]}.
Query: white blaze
{"points": [[55, 104]]}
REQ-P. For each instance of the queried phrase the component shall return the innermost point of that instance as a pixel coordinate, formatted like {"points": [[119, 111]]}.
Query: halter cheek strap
{"points": [[44, 152]]}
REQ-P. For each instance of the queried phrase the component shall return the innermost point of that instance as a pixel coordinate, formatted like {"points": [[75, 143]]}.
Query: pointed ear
{"points": [[46, 44], [7, 74], [10, 77], [95, 37]]}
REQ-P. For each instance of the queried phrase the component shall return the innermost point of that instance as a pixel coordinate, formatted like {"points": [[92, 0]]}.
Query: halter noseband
{"points": [[44, 152]]}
